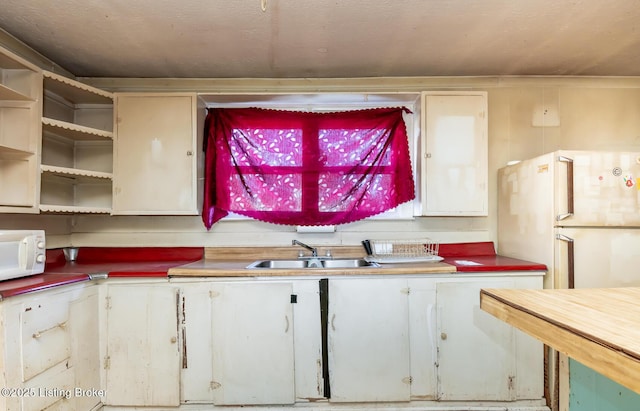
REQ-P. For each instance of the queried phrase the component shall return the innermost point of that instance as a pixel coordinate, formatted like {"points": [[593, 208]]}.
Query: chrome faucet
{"points": [[314, 251]]}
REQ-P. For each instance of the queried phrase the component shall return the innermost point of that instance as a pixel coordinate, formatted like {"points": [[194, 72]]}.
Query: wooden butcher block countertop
{"points": [[233, 261], [598, 327]]}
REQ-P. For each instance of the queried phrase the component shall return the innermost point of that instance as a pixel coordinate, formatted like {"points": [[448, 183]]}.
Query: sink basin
{"points": [[312, 263], [278, 264]]}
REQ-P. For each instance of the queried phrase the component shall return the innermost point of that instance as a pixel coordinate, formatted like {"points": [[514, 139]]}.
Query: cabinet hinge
{"points": [[511, 383], [213, 294], [214, 385], [108, 303], [407, 380], [107, 362], [406, 290]]}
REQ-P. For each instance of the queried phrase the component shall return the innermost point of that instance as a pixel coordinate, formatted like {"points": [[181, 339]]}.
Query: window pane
{"points": [[267, 192], [341, 147], [267, 147]]}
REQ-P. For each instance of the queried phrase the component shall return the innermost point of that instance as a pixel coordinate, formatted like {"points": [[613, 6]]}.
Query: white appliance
{"points": [[578, 212], [22, 253]]}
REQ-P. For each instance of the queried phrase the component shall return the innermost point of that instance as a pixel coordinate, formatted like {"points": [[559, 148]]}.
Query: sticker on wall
{"points": [[543, 168], [628, 181], [617, 171]]}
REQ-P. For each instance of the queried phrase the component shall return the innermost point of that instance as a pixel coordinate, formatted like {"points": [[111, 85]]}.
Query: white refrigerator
{"points": [[578, 212]]}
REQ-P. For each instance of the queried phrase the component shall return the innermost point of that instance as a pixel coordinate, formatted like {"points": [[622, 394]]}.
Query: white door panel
{"points": [[143, 356], [253, 355], [606, 189], [603, 257], [469, 339], [368, 338]]}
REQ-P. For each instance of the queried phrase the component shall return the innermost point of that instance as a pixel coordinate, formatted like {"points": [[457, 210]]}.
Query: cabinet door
{"points": [[154, 154], [476, 350], [197, 375], [253, 355], [142, 352], [368, 340], [85, 349], [455, 147], [424, 347]]}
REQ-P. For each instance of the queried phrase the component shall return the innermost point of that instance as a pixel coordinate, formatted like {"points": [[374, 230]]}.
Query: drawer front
{"points": [[45, 338], [51, 390]]}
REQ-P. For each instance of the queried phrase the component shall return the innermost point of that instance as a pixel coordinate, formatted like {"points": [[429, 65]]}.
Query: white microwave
{"points": [[22, 253]]}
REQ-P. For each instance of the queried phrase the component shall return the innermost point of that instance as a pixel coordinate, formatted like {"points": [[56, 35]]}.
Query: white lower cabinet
{"points": [[253, 355], [142, 351], [275, 342], [461, 353], [472, 340], [50, 351], [368, 340]]}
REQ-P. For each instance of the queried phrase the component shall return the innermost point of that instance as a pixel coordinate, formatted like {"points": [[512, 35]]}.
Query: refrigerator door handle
{"points": [[569, 212], [570, 259]]}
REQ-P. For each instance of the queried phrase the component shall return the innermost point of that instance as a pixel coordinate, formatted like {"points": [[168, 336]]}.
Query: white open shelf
{"points": [[73, 131], [77, 147]]}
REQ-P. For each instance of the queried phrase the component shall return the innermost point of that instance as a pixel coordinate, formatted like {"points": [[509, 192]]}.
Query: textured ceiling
{"points": [[338, 38]]}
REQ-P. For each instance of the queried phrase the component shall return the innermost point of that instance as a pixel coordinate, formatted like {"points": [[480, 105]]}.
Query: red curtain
{"points": [[301, 168]]}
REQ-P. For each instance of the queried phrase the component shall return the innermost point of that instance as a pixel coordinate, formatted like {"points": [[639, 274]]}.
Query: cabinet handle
{"points": [[38, 334], [174, 340], [443, 336], [189, 153], [333, 317], [286, 327]]}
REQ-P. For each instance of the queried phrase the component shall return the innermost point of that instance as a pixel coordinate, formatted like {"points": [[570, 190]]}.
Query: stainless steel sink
{"points": [[310, 263], [278, 264]]}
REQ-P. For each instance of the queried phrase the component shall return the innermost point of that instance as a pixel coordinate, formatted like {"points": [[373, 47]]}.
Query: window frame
{"points": [[327, 102]]}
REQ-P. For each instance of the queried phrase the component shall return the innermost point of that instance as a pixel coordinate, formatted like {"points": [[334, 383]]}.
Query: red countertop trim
{"points": [[38, 282]]}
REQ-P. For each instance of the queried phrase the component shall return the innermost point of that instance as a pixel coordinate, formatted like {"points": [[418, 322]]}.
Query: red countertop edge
{"points": [[38, 282], [123, 262]]}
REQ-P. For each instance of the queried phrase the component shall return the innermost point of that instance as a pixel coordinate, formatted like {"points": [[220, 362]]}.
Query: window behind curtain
{"points": [[301, 168]]}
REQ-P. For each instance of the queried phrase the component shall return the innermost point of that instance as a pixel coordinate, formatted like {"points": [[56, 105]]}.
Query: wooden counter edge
{"points": [[222, 269], [612, 363]]}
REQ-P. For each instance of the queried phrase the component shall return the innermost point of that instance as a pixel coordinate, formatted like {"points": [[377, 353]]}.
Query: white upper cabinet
{"points": [[155, 154], [20, 94], [77, 147], [454, 154]]}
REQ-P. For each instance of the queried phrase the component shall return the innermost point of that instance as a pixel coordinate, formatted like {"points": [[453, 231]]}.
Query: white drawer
{"points": [[45, 339], [51, 390]]}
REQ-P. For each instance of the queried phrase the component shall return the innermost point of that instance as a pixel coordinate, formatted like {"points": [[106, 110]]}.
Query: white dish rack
{"points": [[404, 251]]}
